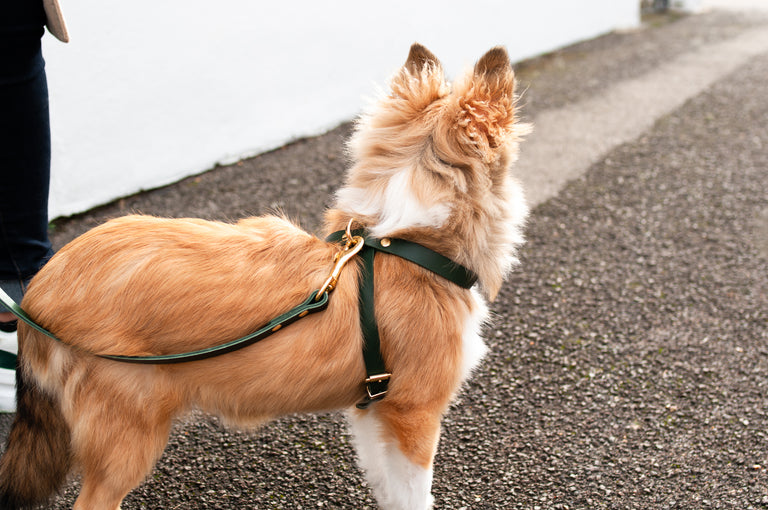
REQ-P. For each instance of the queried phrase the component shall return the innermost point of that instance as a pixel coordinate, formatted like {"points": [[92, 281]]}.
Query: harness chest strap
{"points": [[377, 380]]}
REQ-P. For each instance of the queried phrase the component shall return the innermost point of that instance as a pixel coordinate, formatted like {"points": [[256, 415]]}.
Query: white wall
{"points": [[150, 91]]}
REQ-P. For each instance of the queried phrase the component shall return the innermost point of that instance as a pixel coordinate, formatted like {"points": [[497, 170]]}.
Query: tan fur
{"points": [[141, 285]]}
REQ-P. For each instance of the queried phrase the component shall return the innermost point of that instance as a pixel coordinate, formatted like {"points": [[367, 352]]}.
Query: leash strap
{"points": [[16, 310], [312, 304], [377, 380], [8, 359]]}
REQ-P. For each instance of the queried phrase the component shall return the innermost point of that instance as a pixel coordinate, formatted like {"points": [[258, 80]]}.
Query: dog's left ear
{"points": [[420, 59], [487, 101], [421, 80]]}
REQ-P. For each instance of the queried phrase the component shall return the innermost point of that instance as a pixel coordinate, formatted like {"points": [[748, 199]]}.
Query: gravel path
{"points": [[628, 366]]}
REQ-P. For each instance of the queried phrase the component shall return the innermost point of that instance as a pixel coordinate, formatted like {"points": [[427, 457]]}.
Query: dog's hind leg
{"points": [[116, 445], [396, 448], [108, 476]]}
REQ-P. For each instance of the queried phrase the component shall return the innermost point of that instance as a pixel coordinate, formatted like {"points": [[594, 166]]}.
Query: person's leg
{"points": [[25, 148]]}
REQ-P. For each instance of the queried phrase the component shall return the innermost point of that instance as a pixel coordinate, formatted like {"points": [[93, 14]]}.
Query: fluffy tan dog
{"points": [[431, 165]]}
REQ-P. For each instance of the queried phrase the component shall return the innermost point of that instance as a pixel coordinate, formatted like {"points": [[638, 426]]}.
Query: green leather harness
{"points": [[378, 378], [358, 242]]}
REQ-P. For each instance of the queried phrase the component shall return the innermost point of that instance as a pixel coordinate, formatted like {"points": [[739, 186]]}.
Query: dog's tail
{"points": [[37, 456]]}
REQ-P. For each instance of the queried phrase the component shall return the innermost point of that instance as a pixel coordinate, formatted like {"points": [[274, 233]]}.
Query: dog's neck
{"points": [[483, 236]]}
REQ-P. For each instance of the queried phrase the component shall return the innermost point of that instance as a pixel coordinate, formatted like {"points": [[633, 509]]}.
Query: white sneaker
{"points": [[8, 343]]}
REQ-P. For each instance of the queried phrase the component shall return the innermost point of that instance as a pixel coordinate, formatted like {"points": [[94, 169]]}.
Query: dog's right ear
{"points": [[420, 81], [486, 101]]}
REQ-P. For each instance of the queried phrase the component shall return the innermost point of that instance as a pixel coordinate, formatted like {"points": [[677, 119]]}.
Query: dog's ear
{"points": [[487, 101], [494, 63], [421, 80], [419, 59]]}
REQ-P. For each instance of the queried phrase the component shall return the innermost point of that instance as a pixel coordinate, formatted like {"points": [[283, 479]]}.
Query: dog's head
{"points": [[431, 162]]}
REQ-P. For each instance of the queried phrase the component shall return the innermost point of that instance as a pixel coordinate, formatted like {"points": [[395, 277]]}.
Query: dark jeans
{"points": [[25, 146]]}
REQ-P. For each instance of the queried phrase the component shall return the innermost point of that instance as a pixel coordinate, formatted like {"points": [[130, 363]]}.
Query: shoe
{"points": [[8, 326], [8, 343]]}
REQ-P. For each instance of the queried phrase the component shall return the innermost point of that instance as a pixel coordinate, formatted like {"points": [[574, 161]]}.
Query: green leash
{"points": [[311, 305]]}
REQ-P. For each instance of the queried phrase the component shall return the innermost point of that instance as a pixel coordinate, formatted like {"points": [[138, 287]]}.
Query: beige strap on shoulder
{"points": [[55, 20]]}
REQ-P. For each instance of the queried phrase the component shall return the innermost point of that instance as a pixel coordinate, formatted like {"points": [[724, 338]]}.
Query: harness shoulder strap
{"points": [[416, 253], [426, 258]]}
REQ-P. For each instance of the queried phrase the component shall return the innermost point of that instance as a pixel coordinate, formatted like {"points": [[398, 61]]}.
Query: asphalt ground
{"points": [[628, 364]]}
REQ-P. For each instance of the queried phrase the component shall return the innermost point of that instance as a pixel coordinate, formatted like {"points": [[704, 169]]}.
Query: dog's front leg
{"points": [[396, 451]]}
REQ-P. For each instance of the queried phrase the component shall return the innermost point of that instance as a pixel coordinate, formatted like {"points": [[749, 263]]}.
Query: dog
{"points": [[430, 163]]}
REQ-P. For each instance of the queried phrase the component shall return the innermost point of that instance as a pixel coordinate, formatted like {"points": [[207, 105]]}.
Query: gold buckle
{"points": [[353, 245], [376, 379]]}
